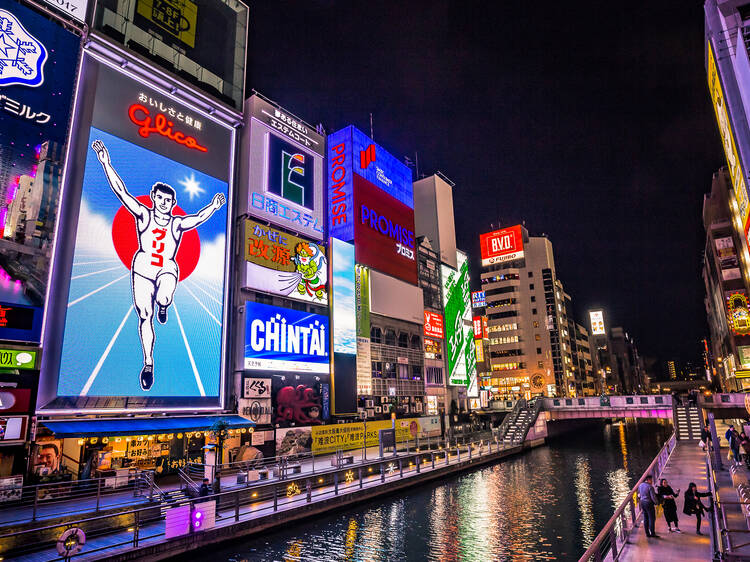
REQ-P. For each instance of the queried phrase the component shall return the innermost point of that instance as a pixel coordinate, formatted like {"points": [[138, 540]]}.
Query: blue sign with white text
{"points": [[282, 339]]}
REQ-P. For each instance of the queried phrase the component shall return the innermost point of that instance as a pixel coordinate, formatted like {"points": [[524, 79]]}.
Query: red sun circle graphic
{"points": [[125, 239]]}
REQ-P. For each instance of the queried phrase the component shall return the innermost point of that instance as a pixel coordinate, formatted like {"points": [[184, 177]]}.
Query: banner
{"points": [[347, 436]]}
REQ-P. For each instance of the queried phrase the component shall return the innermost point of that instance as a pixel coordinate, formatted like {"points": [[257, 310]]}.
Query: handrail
{"points": [[510, 417], [607, 537], [714, 528]]}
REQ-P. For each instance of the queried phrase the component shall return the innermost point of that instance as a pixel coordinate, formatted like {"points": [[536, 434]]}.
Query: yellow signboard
{"points": [[727, 137], [346, 436], [176, 17]]}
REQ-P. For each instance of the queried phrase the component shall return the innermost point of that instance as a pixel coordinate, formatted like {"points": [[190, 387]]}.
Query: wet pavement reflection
{"points": [[547, 504]]}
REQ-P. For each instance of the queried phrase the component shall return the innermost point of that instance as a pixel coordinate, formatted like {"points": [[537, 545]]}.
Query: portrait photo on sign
{"points": [[145, 305]]}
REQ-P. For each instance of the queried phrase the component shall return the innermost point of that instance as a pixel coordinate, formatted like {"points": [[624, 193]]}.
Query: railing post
{"points": [[275, 498], [418, 461], [136, 528], [36, 502], [360, 477], [236, 506], [633, 515], [470, 448], [613, 542], [308, 485], [151, 487], [401, 467], [458, 453], [98, 493], [432, 454], [382, 473], [313, 463], [336, 483]]}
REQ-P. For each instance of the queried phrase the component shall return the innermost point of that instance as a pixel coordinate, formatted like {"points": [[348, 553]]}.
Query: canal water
{"points": [[546, 504]]}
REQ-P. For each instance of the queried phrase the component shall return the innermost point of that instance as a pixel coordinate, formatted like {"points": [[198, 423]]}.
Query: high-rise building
{"points": [[672, 370], [530, 352], [723, 277]]}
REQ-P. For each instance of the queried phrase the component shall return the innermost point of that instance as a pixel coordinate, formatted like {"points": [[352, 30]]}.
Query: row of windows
{"points": [[505, 277], [500, 291], [506, 339], [506, 314], [404, 339], [387, 370], [504, 302], [503, 327], [434, 375], [508, 366], [506, 353]]}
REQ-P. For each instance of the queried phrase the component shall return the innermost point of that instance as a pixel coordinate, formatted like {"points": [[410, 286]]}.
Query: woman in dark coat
{"points": [[668, 495], [693, 505]]}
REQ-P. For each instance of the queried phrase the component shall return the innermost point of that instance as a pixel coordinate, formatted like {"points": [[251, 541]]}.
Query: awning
{"points": [[140, 426]]}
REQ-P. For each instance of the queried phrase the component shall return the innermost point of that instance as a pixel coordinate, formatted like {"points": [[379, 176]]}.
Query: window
{"points": [[434, 375], [390, 336], [533, 311], [531, 286], [538, 350], [416, 373], [540, 364], [416, 342], [403, 340], [531, 274], [377, 369], [390, 371], [376, 334], [403, 371], [537, 337], [533, 298], [536, 324], [263, 299]]}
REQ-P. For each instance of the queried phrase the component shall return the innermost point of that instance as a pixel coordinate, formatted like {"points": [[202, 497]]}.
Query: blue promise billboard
{"points": [[282, 339]]}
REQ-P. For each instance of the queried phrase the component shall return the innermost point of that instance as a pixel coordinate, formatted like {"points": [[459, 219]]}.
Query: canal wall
{"points": [[245, 529]]}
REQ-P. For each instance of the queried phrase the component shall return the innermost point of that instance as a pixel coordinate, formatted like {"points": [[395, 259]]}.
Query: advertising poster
{"points": [[47, 456], [282, 339], [458, 323], [502, 245], [284, 264], [293, 441], [433, 325], [299, 400], [478, 299], [145, 301], [347, 436], [37, 81], [285, 172], [597, 323], [344, 318], [738, 312]]}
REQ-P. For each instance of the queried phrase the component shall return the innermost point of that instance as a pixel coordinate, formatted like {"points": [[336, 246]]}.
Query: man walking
{"points": [[647, 498]]}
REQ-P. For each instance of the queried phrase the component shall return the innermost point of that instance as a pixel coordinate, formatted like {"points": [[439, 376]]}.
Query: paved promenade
{"points": [[686, 464]]}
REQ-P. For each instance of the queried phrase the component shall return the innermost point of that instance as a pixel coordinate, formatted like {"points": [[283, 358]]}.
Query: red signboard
{"points": [[477, 321], [384, 232], [14, 400], [433, 325], [501, 245], [485, 327]]}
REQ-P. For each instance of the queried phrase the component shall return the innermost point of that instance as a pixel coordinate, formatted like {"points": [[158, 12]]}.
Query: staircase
{"points": [[517, 423], [687, 423], [172, 498]]}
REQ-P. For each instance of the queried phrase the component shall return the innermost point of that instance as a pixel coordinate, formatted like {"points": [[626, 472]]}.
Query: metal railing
{"points": [[608, 543], [132, 528], [57, 499]]}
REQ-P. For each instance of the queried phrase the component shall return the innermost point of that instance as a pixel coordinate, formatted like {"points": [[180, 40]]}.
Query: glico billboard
{"points": [[282, 165], [139, 313], [38, 61], [501, 245], [371, 202], [459, 334]]}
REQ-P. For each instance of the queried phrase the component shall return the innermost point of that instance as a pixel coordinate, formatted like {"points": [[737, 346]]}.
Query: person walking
{"points": [[694, 506], [667, 496], [205, 489], [706, 437], [648, 501], [734, 444]]}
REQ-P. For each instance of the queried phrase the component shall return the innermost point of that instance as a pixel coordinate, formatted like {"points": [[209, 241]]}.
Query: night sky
{"points": [[589, 121]]}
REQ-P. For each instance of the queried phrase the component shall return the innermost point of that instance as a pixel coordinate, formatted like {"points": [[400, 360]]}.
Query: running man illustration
{"points": [[154, 271]]}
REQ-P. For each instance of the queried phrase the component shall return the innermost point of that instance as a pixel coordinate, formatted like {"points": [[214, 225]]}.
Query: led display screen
{"points": [[283, 167], [458, 323], [37, 80], [384, 232], [501, 245], [344, 318], [284, 264], [352, 152], [144, 296], [281, 339], [597, 322]]}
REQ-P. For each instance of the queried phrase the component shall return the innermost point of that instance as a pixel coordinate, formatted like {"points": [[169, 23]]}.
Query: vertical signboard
{"points": [[344, 330], [142, 312], [283, 163], [719, 103], [597, 322], [458, 323], [364, 357], [284, 264], [38, 60]]}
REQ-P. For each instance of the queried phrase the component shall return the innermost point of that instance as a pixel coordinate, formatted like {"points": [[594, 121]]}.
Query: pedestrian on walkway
{"points": [[728, 432], [734, 444], [693, 504], [648, 500], [667, 496], [205, 489], [706, 437]]}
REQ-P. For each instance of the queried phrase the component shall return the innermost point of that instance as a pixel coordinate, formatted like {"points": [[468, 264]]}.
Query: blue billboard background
{"points": [[282, 339], [385, 171], [101, 352], [34, 109]]}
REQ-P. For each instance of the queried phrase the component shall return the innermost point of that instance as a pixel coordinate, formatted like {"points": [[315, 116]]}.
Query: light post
{"points": [[364, 438]]}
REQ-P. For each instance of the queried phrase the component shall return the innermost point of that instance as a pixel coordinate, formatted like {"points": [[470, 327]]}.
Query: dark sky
{"points": [[590, 121]]}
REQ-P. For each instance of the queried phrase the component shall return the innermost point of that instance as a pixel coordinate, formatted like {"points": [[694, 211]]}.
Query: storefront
{"points": [[93, 448]]}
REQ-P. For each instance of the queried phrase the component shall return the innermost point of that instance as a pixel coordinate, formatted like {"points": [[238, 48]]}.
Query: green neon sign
{"points": [[17, 359]]}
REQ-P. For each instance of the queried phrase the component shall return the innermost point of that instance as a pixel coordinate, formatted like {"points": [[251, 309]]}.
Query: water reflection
{"points": [[547, 504]]}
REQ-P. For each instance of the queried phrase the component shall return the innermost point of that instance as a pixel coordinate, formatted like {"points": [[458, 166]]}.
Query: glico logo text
{"points": [[404, 238], [338, 182], [160, 125]]}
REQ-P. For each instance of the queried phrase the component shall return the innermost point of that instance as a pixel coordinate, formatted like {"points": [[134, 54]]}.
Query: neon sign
{"points": [[738, 313], [162, 126]]}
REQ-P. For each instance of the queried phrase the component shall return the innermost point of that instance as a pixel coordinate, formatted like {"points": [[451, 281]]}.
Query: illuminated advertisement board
{"points": [[371, 202], [143, 291], [738, 312], [37, 81], [281, 339], [300, 400], [344, 329], [458, 323], [501, 245], [284, 264], [76, 9], [477, 327], [433, 325], [718, 100], [478, 299], [597, 322], [283, 166]]}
